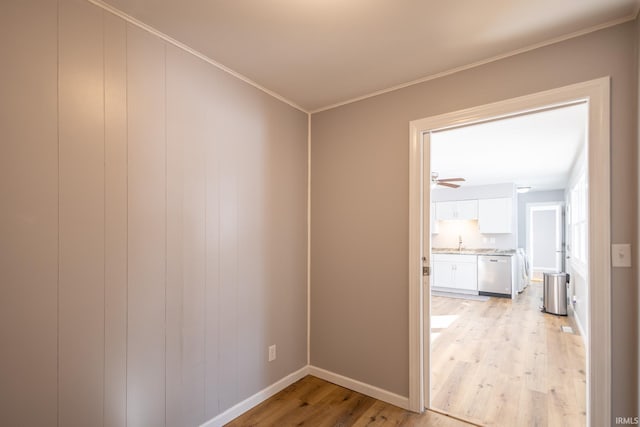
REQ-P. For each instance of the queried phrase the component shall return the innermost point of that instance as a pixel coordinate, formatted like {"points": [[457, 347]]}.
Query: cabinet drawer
{"points": [[455, 258]]}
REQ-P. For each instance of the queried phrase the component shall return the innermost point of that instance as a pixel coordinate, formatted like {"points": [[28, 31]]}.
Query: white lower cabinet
{"points": [[455, 272]]}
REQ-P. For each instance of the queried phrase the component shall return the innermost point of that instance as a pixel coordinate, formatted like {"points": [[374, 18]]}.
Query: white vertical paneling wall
{"points": [[188, 133], [153, 228], [28, 213], [212, 268], [81, 209], [115, 227], [147, 235]]}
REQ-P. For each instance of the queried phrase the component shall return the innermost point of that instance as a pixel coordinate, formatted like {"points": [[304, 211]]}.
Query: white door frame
{"points": [[558, 207], [597, 93]]}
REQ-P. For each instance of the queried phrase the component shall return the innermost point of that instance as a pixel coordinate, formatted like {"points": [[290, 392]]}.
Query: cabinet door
{"points": [[434, 222], [466, 276], [467, 209], [442, 274], [461, 209], [446, 210], [494, 216]]}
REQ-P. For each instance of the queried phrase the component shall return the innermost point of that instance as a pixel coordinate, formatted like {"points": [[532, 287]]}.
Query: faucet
{"points": [[459, 243]]}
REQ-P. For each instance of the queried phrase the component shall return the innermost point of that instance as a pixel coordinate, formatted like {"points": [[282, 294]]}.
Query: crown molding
{"points": [[484, 61], [130, 19]]}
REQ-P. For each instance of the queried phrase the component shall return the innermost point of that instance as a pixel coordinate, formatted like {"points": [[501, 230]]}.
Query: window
{"points": [[579, 230]]}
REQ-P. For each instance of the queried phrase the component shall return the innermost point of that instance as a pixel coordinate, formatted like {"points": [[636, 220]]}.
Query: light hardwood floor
{"points": [[504, 363], [316, 403]]}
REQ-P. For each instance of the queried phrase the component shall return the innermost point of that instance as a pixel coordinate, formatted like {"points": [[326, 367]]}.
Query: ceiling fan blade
{"points": [[452, 179], [446, 184]]}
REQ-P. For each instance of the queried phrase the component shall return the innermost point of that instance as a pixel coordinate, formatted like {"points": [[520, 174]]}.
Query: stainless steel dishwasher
{"points": [[494, 275]]}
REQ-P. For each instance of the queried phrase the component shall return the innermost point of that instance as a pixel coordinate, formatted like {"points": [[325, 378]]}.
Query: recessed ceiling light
{"points": [[523, 189]]}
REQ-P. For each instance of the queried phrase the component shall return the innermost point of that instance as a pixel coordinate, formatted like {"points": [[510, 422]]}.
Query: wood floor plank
{"points": [[533, 411], [474, 402], [277, 407], [381, 414]]}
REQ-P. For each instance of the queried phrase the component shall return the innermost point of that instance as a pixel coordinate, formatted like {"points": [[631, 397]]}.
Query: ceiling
{"points": [[318, 53], [536, 149]]}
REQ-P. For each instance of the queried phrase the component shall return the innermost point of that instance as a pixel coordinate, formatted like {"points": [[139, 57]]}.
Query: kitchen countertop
{"points": [[477, 251]]}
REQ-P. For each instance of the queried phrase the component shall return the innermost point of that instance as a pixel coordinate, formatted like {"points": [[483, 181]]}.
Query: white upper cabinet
{"points": [[461, 209], [433, 222], [494, 216], [445, 210], [467, 209]]}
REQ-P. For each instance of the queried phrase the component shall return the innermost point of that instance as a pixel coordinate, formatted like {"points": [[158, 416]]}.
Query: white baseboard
{"points": [[242, 407], [580, 329], [360, 387]]}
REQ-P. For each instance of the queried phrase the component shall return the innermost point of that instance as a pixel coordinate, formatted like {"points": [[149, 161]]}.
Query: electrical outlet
{"points": [[272, 353]]}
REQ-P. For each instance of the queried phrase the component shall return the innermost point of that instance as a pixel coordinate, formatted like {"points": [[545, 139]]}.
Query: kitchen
{"points": [[490, 185], [474, 241]]}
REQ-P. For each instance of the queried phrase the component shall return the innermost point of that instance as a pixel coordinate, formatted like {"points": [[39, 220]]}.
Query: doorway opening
{"points": [[545, 238], [596, 213], [496, 358]]}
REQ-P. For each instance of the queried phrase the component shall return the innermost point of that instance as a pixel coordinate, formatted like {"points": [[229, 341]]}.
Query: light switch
{"points": [[621, 255]]}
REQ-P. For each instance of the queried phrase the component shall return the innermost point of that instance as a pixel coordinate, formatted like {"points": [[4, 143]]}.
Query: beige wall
{"points": [[153, 226], [359, 240], [636, 247]]}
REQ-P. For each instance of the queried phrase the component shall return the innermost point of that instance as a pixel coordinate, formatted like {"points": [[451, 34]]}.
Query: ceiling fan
{"points": [[445, 182]]}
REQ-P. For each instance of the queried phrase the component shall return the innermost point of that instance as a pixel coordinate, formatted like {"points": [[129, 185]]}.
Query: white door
{"points": [[544, 237]]}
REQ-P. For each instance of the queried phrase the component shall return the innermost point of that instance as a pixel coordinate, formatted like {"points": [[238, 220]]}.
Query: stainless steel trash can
{"points": [[554, 299]]}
